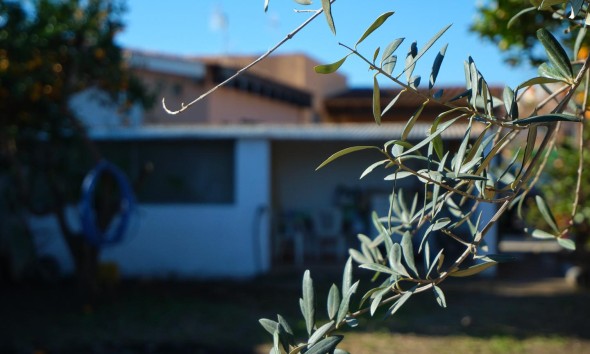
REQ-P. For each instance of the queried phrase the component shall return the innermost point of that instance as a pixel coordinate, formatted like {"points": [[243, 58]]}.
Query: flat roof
{"points": [[166, 64], [318, 132]]}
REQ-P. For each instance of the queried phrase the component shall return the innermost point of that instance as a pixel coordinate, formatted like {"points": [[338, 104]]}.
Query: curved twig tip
{"points": [[170, 111], [239, 72]]}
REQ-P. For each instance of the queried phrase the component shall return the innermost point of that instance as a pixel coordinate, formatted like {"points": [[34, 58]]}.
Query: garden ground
{"points": [[522, 315]]}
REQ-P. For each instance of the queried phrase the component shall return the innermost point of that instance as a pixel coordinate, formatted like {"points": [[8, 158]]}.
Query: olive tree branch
{"points": [[552, 127], [451, 188], [580, 153], [447, 104], [406, 86], [551, 97], [535, 165], [471, 247], [288, 37]]}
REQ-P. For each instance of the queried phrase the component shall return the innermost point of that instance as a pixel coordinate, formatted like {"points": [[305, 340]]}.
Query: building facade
{"points": [[233, 189]]}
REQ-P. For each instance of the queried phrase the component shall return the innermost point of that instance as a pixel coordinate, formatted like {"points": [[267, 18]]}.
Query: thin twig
{"points": [[580, 155], [247, 67], [453, 189], [455, 237], [551, 97], [447, 104], [547, 154], [551, 127], [544, 149]]}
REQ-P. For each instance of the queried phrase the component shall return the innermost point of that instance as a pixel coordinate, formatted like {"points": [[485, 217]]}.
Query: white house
{"points": [[210, 208], [231, 195]]}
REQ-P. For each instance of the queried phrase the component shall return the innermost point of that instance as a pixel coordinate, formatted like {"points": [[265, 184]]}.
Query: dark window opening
{"points": [[182, 171]]}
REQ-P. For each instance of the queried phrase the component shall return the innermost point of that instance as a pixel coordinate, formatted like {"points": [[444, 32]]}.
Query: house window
{"points": [[184, 171]]}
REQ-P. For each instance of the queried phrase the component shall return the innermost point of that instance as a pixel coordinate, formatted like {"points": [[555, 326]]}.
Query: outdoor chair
{"points": [[329, 240]]}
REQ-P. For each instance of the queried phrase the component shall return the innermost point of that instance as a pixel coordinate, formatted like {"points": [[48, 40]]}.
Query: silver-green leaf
{"points": [[567, 243], [412, 121], [472, 270], [269, 325], [327, 7], [390, 49], [399, 303], [440, 296], [345, 304], [376, 101], [372, 167], [556, 54], [333, 301], [436, 66], [411, 60], [376, 24], [548, 118], [444, 126], [345, 152], [416, 56], [308, 303], [326, 345], [546, 213], [329, 68], [320, 332], [395, 260], [392, 102], [347, 276], [540, 80], [408, 251]]}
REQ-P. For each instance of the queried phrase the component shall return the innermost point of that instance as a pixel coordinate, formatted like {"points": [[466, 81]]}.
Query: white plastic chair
{"points": [[327, 231]]}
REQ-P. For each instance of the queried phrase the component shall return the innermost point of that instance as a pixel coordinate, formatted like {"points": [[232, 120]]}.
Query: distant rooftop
{"points": [[168, 64], [323, 132]]}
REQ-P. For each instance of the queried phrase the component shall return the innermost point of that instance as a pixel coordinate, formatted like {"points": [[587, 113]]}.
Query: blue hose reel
{"points": [[116, 231]]}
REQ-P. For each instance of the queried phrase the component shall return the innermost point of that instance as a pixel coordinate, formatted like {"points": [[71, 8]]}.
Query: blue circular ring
{"points": [[90, 230]]}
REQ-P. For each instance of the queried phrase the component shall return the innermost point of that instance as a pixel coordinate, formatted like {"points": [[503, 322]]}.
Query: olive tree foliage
{"points": [[456, 182], [561, 175]]}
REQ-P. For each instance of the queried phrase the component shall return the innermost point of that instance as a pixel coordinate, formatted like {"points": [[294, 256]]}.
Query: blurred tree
{"points": [[562, 172], [517, 38], [49, 51]]}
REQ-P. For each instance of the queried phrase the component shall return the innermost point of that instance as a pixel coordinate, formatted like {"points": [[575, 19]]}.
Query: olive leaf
{"points": [[556, 54], [376, 24], [327, 7], [330, 68]]}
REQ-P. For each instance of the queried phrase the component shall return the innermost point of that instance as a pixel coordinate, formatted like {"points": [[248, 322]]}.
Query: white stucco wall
{"points": [[297, 184], [196, 241], [97, 110]]}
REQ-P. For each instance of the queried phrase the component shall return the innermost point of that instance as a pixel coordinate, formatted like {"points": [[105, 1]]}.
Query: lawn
{"points": [[483, 316]]}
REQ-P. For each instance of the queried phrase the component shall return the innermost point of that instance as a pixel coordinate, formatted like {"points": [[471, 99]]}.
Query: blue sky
{"points": [[205, 27]]}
